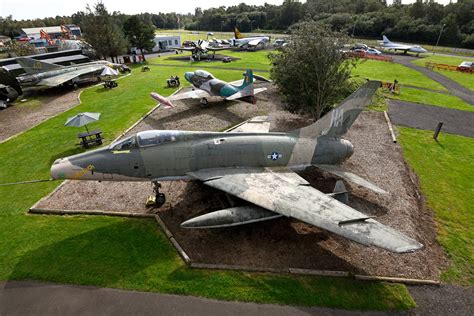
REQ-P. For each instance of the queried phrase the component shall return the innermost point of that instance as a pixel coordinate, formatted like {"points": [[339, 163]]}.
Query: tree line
{"points": [[420, 22]]}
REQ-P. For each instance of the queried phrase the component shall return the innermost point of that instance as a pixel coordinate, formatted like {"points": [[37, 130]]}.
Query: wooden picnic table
{"points": [[91, 138]]}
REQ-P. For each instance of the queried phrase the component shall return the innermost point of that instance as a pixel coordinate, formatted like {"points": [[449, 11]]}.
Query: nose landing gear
{"points": [[204, 103], [158, 199]]}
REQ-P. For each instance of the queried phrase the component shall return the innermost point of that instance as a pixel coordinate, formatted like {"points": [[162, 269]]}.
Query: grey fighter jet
{"points": [[43, 74], [206, 85], [252, 164], [387, 44]]}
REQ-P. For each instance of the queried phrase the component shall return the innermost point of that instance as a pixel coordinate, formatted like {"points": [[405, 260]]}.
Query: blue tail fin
{"points": [[248, 79]]}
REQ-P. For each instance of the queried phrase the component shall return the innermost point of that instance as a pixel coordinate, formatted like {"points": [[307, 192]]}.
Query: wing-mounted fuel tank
{"points": [[248, 214], [332, 150]]}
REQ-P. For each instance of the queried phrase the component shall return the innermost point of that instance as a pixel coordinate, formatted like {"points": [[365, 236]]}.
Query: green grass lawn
{"points": [[133, 253], [464, 79], [446, 172], [431, 98], [386, 71]]}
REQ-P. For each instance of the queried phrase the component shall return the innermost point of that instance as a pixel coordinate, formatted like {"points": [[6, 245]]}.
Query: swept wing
{"points": [[65, 77], [193, 94], [284, 192]]}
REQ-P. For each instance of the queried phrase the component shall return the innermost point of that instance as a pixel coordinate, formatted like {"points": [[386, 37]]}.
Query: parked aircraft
{"points": [[201, 49], [206, 85], [387, 44], [252, 164], [255, 42], [43, 74], [9, 88]]}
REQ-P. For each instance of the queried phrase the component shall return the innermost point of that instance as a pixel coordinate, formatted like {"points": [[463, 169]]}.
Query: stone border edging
{"points": [[390, 126], [87, 212]]}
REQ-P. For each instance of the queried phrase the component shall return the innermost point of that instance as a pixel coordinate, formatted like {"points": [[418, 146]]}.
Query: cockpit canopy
{"points": [[125, 144], [204, 74], [153, 138], [145, 139]]}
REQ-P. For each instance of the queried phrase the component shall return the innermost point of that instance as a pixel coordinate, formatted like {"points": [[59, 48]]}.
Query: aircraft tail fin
{"points": [[33, 66], [248, 79], [237, 33], [385, 39], [338, 121]]}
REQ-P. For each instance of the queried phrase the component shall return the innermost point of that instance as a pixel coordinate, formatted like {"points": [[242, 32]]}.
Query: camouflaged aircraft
{"points": [[205, 85], [252, 164], [43, 74]]}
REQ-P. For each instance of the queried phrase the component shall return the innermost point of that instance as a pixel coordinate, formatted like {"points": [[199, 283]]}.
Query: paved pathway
{"points": [[426, 117], [39, 298], [453, 87]]}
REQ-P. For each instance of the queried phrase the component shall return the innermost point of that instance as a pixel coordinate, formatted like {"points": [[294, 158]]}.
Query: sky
{"points": [[31, 9]]}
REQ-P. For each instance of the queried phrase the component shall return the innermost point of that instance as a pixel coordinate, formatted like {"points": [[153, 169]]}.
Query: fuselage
{"points": [[246, 40], [405, 48], [172, 155], [204, 80], [93, 68]]}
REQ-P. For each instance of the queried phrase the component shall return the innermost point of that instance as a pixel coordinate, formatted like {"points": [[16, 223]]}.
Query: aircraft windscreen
{"points": [[125, 144], [154, 138], [203, 74]]}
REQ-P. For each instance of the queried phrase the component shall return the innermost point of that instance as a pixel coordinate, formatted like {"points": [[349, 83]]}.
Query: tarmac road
{"points": [[455, 88], [39, 298], [426, 117]]}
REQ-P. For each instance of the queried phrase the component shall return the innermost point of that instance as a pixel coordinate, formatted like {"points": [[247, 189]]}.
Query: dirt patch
{"points": [[283, 242], [19, 118]]}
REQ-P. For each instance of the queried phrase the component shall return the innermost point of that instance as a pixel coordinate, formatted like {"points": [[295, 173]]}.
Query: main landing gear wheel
{"points": [[159, 199], [204, 103]]}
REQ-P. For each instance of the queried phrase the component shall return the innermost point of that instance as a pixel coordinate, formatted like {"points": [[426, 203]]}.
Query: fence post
{"points": [[438, 129]]}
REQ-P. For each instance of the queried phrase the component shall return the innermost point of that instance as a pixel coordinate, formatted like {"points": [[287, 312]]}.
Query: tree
{"points": [[101, 31], [139, 34], [311, 72], [15, 49]]}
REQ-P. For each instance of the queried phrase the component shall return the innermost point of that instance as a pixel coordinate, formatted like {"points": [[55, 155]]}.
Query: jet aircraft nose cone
{"points": [[61, 169]]}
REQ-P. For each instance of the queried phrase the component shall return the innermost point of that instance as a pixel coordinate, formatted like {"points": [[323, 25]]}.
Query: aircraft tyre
{"points": [[204, 103], [160, 199]]}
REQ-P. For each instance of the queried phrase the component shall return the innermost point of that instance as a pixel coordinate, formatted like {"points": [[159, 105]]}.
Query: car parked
{"points": [[373, 51], [466, 66]]}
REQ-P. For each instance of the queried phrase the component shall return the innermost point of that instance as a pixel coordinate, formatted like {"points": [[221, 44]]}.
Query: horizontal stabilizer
{"points": [[340, 172]]}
